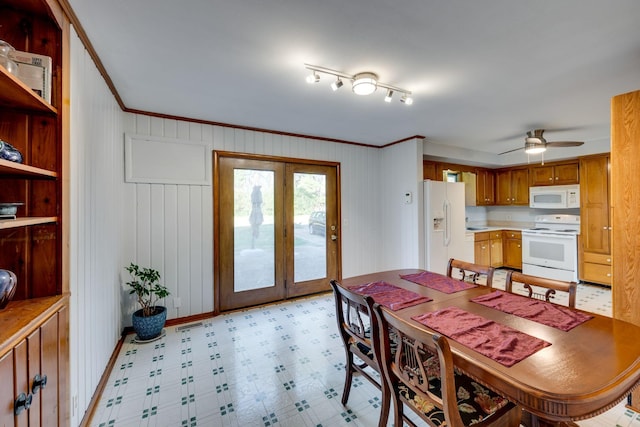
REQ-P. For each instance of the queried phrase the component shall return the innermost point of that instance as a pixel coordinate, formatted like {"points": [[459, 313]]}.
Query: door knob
{"points": [[334, 237]]}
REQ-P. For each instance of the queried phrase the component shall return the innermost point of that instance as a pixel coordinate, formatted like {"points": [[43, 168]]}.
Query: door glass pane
{"points": [[310, 242], [254, 249]]}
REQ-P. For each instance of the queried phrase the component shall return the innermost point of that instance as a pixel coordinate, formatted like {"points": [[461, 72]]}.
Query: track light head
{"points": [[387, 98], [313, 78], [406, 99], [337, 84]]}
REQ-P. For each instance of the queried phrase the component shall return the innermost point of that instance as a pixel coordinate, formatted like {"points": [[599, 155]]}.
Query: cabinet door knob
{"points": [[22, 403], [38, 383]]}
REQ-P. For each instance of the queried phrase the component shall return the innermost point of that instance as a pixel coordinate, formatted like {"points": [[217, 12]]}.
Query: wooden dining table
{"points": [[584, 372]]}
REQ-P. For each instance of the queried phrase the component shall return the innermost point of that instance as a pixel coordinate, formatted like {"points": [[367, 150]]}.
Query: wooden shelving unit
{"points": [[34, 338]]}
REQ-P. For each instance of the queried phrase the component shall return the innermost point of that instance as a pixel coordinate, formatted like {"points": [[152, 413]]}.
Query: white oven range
{"points": [[550, 248]]}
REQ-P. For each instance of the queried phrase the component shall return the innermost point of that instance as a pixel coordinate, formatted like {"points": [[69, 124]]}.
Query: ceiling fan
{"points": [[535, 143]]}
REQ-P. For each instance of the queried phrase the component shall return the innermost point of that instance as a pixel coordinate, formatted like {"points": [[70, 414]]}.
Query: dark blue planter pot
{"points": [[149, 327]]}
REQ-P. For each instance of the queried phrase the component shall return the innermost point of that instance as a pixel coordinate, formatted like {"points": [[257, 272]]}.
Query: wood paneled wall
{"points": [[96, 247]]}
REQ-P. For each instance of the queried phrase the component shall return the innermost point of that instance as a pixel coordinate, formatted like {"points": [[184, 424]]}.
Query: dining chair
{"points": [[549, 286], [470, 272], [421, 375], [354, 324]]}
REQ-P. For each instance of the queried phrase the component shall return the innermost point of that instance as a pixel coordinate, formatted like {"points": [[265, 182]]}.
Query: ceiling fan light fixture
{"points": [[337, 84], [531, 147], [388, 96], [364, 83], [406, 99]]}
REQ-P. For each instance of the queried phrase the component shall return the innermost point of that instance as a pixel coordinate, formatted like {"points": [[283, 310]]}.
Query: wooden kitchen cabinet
{"points": [[34, 325], [430, 170], [561, 173], [495, 245], [482, 248], [512, 186], [485, 187], [513, 249], [595, 224]]}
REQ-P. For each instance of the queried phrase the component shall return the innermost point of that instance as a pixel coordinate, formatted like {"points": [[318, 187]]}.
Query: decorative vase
{"points": [[149, 327], [9, 152], [8, 282]]}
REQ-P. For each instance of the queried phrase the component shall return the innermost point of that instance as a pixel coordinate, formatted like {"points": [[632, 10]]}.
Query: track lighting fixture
{"points": [[364, 83]]}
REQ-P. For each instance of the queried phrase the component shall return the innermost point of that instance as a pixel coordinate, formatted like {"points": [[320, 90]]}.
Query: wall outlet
{"points": [[176, 302]]}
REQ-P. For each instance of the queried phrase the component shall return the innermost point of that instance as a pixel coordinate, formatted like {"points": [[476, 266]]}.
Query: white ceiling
{"points": [[482, 73]]}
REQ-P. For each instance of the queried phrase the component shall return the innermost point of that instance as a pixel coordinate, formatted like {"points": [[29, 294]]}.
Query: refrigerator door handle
{"points": [[447, 222]]}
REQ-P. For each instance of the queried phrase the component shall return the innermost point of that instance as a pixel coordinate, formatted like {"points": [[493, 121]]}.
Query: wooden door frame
{"points": [[217, 155]]}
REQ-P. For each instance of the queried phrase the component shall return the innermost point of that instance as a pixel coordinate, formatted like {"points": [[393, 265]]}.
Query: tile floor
{"points": [[279, 365]]}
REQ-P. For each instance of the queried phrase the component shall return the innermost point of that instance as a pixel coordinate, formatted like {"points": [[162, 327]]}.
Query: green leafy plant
{"points": [[147, 288]]}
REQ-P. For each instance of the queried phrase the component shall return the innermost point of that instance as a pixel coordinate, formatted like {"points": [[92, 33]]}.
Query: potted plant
{"points": [[149, 320]]}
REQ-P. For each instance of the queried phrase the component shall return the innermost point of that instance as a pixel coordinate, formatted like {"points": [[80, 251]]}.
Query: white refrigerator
{"points": [[444, 212]]}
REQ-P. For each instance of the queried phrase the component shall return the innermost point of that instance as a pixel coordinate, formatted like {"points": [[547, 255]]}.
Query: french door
{"points": [[277, 231]]}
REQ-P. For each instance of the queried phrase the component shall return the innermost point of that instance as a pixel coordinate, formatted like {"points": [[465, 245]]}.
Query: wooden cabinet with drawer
{"points": [[596, 268], [513, 249], [482, 248]]}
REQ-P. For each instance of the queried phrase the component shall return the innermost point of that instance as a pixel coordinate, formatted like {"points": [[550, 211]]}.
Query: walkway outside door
{"points": [[276, 229]]}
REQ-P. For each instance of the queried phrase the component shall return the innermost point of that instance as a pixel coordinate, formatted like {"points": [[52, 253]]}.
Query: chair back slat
{"points": [[470, 272], [548, 286]]}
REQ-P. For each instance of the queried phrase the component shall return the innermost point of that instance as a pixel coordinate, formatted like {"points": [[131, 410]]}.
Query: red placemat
{"points": [[501, 343], [438, 282], [390, 296], [556, 316]]}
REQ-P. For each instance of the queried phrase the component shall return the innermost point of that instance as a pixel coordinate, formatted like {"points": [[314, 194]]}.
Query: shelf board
{"points": [[20, 170], [23, 222], [15, 94]]}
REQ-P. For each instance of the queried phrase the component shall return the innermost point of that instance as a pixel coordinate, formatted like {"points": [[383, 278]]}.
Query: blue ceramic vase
{"points": [[8, 282], [9, 152]]}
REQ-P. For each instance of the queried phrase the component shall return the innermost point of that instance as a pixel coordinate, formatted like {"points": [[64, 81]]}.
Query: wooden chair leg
{"points": [[348, 369]]}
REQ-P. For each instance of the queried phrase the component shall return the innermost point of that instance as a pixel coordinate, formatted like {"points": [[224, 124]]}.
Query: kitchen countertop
{"points": [[483, 228]]}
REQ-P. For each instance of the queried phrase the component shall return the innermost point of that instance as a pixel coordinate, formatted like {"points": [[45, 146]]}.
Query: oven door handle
{"points": [[552, 235]]}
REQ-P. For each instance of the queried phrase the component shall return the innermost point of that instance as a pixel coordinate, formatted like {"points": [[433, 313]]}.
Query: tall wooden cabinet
{"points": [[625, 205], [595, 225], [34, 326]]}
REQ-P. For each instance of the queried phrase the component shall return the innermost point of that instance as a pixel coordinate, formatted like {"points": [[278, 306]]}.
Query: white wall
{"points": [[401, 228], [95, 244], [171, 225]]}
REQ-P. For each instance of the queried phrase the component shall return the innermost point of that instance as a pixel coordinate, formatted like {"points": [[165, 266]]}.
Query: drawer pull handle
{"points": [[608, 259], [22, 403]]}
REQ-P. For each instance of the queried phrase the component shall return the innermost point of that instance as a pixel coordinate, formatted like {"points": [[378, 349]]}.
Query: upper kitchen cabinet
{"points": [[485, 187], [560, 173], [512, 186]]}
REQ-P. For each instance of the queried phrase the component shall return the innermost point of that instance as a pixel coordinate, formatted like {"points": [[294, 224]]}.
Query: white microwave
{"points": [[555, 197]]}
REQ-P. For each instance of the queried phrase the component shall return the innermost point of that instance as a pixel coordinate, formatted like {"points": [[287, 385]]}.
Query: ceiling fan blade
{"points": [[511, 151], [564, 143]]}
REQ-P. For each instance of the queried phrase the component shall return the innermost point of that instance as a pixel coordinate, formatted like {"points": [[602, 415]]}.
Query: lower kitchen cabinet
{"points": [[482, 249], [513, 249], [495, 245], [596, 268], [32, 393]]}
